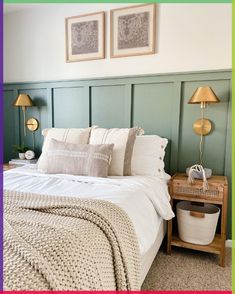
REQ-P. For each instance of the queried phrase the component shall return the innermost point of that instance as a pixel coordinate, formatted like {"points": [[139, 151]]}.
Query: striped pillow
{"points": [[70, 135], [123, 140], [76, 159]]}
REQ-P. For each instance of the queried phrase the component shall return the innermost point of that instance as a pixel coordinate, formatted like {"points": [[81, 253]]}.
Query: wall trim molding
{"points": [[180, 74]]}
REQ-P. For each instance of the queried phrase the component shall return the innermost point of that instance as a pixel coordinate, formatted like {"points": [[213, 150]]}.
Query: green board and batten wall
{"points": [[157, 103]]}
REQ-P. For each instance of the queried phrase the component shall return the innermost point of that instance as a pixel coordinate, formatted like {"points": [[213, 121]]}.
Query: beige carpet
{"points": [[188, 270]]}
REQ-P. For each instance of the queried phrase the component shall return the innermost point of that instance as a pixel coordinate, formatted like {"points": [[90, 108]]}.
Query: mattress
{"points": [[144, 198], [148, 257]]}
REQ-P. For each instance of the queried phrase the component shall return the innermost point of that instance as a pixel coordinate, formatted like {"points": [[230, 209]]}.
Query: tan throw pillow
{"points": [[76, 159], [123, 140], [75, 136]]}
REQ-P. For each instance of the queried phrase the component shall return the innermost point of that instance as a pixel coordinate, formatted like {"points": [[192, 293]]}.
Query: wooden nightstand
{"points": [[181, 189], [7, 166]]}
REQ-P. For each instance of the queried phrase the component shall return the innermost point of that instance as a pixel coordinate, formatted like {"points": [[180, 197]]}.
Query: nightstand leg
{"points": [[169, 236], [222, 253], [221, 262], [223, 225], [169, 224]]}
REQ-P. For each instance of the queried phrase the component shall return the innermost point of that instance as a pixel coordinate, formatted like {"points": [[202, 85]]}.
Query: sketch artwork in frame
{"points": [[85, 37], [133, 30]]}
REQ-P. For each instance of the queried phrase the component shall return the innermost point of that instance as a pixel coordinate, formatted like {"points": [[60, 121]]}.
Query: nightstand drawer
{"points": [[215, 191]]}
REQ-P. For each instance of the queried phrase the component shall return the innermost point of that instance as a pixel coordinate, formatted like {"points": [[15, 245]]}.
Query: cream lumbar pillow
{"points": [[76, 159], [123, 140], [70, 135]]}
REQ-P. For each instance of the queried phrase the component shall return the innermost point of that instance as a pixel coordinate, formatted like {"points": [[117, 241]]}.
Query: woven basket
{"points": [[197, 224]]}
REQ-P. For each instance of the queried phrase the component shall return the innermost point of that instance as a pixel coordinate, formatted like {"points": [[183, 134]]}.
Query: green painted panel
{"points": [[11, 125], [40, 112], [176, 102], [204, 75], [108, 106], [71, 107], [228, 164], [152, 110], [215, 142]]}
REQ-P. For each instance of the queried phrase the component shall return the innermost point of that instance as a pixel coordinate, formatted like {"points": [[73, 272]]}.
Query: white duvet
{"points": [[144, 198]]}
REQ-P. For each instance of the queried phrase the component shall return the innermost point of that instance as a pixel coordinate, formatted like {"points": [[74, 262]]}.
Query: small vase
{"points": [[21, 156]]}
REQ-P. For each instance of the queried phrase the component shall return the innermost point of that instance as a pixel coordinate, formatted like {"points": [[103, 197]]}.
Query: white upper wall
{"points": [[190, 37]]}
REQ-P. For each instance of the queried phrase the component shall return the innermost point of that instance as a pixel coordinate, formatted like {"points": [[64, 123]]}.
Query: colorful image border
{"points": [[233, 121]]}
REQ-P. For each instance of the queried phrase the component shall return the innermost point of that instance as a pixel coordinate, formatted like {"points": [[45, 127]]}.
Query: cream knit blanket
{"points": [[62, 243]]}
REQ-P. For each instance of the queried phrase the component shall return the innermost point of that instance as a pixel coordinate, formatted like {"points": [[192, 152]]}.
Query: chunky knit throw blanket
{"points": [[62, 243]]}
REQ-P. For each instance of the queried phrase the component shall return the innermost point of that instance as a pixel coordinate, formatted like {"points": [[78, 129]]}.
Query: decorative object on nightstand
{"points": [[21, 149], [24, 101], [29, 154], [202, 127], [217, 194]]}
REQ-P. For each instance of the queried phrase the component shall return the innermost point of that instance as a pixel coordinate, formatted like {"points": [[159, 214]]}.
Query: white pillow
{"points": [[148, 155], [123, 140], [75, 136]]}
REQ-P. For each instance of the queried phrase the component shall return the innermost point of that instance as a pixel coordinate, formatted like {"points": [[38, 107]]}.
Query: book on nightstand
{"points": [[23, 161]]}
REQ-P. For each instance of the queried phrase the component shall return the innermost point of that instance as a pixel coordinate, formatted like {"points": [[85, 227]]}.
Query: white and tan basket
{"points": [[197, 224]]}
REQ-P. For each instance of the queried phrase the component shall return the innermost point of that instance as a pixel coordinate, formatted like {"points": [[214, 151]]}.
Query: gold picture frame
{"points": [[85, 37], [133, 30]]}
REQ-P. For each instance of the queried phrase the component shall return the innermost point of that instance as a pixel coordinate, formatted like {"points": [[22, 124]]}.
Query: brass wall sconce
{"points": [[32, 125], [202, 126], [24, 101]]}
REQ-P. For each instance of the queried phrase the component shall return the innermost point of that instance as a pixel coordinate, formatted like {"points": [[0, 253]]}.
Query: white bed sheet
{"points": [[144, 198]]}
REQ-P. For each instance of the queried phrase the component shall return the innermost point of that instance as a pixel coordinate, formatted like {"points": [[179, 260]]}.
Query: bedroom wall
{"points": [[189, 37]]}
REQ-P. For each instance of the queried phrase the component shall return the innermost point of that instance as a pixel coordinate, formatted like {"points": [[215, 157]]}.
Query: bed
{"points": [[144, 199]]}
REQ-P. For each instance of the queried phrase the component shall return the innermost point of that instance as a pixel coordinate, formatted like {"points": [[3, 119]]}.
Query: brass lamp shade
{"points": [[203, 126], [23, 100], [204, 94]]}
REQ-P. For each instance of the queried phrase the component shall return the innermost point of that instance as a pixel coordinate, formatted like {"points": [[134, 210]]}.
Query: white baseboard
{"points": [[228, 243]]}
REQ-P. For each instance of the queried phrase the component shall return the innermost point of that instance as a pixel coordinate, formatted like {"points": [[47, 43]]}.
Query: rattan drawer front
{"points": [[214, 191]]}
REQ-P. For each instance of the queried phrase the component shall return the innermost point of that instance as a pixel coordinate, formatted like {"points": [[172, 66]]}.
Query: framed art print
{"points": [[133, 30], [85, 37]]}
